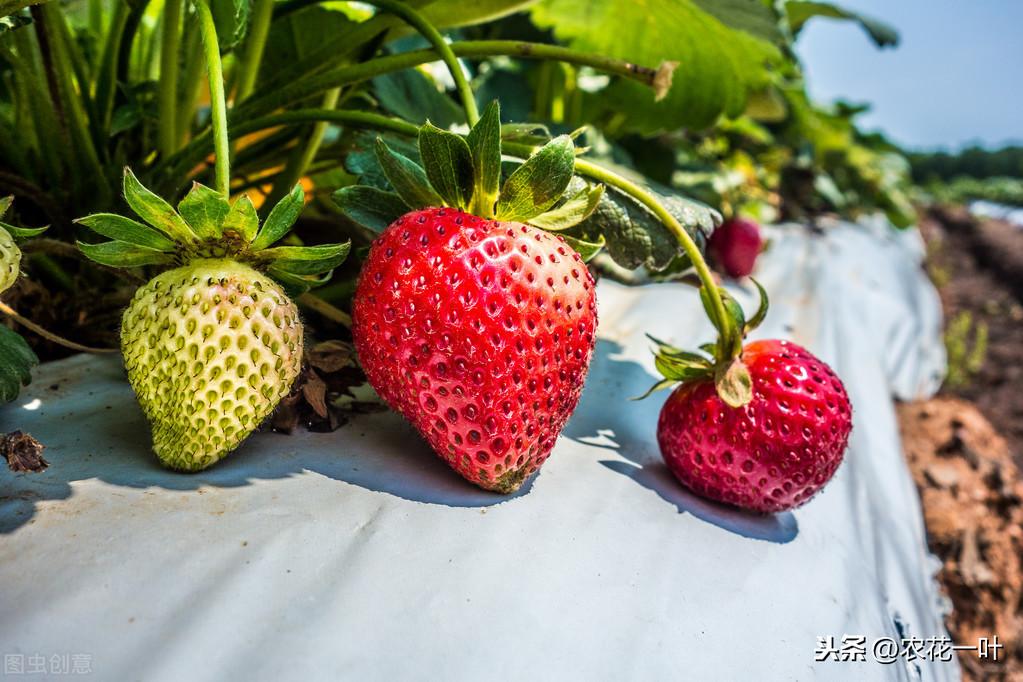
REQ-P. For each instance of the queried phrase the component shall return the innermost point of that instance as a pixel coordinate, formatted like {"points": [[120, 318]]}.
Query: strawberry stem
{"points": [[218, 101], [48, 335], [433, 36]]}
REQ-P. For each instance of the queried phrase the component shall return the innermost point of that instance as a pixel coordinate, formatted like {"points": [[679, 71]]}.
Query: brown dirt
{"points": [[965, 446]]}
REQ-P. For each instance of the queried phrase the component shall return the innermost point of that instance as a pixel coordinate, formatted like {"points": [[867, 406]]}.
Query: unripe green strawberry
{"points": [[212, 345], [10, 261], [210, 349]]}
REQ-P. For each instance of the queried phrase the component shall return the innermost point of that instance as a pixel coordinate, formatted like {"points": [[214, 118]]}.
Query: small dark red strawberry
{"points": [[775, 452], [480, 333], [735, 246]]}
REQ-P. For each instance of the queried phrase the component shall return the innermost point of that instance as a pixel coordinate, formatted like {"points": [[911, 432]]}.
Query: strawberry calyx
{"points": [[721, 361], [17, 233], [206, 224], [464, 172]]}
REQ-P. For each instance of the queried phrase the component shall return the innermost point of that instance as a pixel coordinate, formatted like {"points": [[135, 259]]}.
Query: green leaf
{"points": [[721, 65], [16, 363], [370, 207], [586, 250], [126, 230], [8, 7], [362, 159], [448, 164], [281, 218], [242, 219], [637, 238], [578, 208], [24, 232], [761, 313], [123, 255], [799, 13], [485, 145], [660, 385], [752, 16], [5, 204], [232, 21], [407, 178], [412, 95], [204, 209], [306, 260], [155, 210], [733, 383], [538, 183], [296, 284]]}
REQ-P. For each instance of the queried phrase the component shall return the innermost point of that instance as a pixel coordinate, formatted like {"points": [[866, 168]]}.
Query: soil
{"points": [[965, 446]]}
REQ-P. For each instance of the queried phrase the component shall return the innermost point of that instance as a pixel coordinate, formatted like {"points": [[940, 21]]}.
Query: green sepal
{"points": [[155, 210], [296, 284], [124, 255], [761, 313], [305, 260], [406, 177], [242, 219], [586, 250], [5, 203], [16, 360], [660, 385], [370, 207], [485, 146], [529, 133], [448, 164], [733, 383], [23, 232], [280, 220], [204, 209], [538, 183], [126, 230], [578, 208]]}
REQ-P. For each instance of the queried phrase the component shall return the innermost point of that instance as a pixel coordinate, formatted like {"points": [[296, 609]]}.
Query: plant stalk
{"points": [[168, 93], [48, 335], [303, 155], [218, 100], [248, 66]]}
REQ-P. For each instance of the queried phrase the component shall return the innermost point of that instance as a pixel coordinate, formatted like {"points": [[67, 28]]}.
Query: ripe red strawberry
{"points": [[775, 452], [480, 333], [735, 246]]}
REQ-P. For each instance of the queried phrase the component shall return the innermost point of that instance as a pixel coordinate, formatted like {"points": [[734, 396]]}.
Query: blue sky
{"points": [[955, 79]]}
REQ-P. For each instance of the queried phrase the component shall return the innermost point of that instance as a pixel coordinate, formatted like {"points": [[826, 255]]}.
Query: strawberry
{"points": [[772, 454], [10, 254], [735, 246], [473, 324], [762, 426], [213, 344], [480, 333]]}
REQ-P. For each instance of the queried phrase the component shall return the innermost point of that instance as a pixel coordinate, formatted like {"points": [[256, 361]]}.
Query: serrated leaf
{"points": [[733, 383], [485, 145], [576, 209], [126, 230], [412, 95], [306, 260], [242, 219], [721, 64], [281, 218], [123, 255], [204, 209], [16, 363], [448, 164], [539, 182], [155, 210], [23, 232], [370, 207], [406, 177], [586, 250], [799, 13]]}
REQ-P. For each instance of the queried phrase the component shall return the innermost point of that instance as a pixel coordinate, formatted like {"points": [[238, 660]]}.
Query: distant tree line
{"points": [[972, 162]]}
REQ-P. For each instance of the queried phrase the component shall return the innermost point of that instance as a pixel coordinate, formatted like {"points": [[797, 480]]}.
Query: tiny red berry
{"points": [[771, 455], [735, 246]]}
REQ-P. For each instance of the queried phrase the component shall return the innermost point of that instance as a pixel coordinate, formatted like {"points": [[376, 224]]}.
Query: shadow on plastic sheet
{"points": [[105, 436], [607, 418]]}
